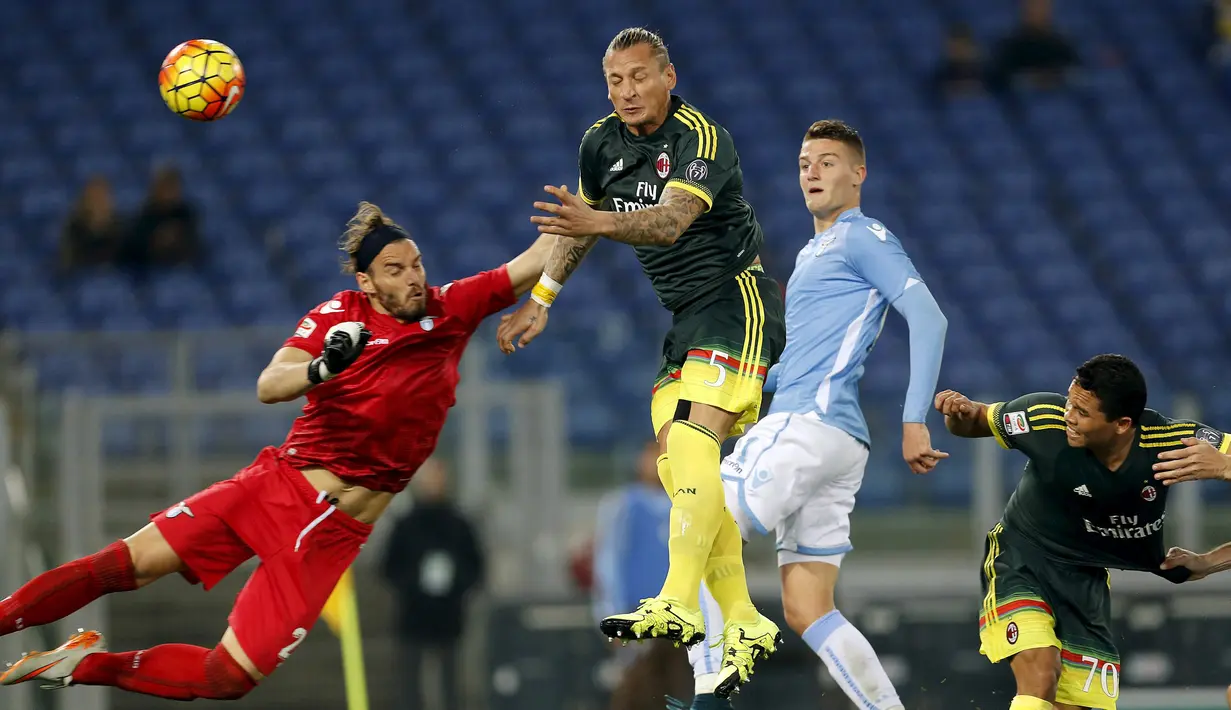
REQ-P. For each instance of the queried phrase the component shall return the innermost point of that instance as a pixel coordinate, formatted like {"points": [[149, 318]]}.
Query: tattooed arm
{"points": [[575, 220], [659, 225], [567, 255]]}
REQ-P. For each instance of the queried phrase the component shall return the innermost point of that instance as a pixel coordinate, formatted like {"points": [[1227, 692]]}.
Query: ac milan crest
{"points": [[1010, 633], [663, 165], [1148, 493]]}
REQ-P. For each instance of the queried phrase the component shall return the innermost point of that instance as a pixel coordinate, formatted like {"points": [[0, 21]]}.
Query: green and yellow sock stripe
{"points": [[1045, 416], [1164, 435]]}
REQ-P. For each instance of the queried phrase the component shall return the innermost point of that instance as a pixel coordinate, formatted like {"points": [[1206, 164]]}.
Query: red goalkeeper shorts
{"points": [[268, 510]]}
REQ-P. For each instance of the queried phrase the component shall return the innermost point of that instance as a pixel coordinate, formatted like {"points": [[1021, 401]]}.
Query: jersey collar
{"points": [[435, 302], [673, 108], [848, 216]]}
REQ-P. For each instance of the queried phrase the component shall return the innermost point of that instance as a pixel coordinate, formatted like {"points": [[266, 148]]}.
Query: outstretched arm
{"points": [[566, 256], [659, 225], [1201, 566], [928, 326], [963, 417], [927, 345], [1219, 559], [525, 268], [543, 278], [1198, 460]]}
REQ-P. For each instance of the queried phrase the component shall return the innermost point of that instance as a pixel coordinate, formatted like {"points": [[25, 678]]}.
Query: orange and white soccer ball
{"points": [[202, 79]]}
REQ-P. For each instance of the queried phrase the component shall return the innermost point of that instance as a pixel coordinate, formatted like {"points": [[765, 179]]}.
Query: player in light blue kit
{"points": [[798, 470]]}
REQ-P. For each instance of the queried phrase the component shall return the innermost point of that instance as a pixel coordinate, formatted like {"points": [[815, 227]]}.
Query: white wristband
{"points": [[545, 291]]}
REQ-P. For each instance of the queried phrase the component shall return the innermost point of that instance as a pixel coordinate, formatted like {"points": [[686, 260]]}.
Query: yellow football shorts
{"points": [[718, 352], [1031, 603]]}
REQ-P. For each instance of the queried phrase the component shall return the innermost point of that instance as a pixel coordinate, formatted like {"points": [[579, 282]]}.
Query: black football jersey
{"points": [[622, 172], [1074, 509]]}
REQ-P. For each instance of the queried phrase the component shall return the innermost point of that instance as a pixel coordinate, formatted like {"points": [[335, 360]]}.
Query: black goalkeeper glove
{"points": [[340, 350]]}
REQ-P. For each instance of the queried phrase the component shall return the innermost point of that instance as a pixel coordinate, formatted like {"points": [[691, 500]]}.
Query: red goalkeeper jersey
{"points": [[375, 423]]}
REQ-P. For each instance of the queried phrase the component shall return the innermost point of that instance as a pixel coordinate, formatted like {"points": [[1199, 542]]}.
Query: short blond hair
{"points": [[368, 217], [835, 130]]}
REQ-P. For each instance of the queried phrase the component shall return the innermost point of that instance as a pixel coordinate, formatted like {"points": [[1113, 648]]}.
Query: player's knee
{"points": [[796, 618], [1037, 672], [807, 592], [226, 679], [802, 611]]}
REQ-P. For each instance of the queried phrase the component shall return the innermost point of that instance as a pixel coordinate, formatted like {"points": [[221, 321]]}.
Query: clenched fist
{"points": [[343, 344], [956, 405]]}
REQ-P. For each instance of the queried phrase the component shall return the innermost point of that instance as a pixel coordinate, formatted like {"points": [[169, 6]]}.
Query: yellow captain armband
{"points": [[545, 291]]}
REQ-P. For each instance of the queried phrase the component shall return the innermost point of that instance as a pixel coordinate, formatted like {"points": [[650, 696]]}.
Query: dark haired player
{"points": [[662, 176], [1089, 500], [378, 366]]}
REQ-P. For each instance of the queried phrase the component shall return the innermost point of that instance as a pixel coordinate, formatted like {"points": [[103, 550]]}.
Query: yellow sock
{"points": [[724, 570], [724, 573], [696, 508], [1029, 702]]}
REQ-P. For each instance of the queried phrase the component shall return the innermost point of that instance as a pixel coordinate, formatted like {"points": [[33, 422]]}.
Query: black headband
{"points": [[374, 242]]}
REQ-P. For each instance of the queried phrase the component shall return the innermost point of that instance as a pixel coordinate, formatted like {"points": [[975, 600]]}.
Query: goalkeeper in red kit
{"points": [[379, 369]]}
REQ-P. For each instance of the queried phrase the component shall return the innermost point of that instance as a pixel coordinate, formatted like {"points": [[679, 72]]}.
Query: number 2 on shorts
{"points": [[300, 634], [1111, 689]]}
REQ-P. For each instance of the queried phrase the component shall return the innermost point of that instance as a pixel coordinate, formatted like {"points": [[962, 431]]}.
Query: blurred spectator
{"points": [[1035, 53], [432, 561], [961, 70], [165, 232], [581, 566], [94, 234], [1216, 31], [630, 563]]}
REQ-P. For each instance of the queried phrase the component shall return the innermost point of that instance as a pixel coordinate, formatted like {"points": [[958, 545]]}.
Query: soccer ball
{"points": [[201, 79]]}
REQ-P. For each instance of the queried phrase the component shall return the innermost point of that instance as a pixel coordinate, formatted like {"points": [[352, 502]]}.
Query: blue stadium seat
{"points": [[1039, 213], [175, 294], [101, 293]]}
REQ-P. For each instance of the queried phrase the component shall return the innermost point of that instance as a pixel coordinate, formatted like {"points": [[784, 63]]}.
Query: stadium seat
{"points": [[1034, 214]]}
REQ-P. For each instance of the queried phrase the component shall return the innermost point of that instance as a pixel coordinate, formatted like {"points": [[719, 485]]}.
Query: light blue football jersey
{"points": [[837, 299]]}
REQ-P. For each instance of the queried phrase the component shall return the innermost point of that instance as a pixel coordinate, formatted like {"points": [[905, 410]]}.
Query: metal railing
{"points": [[519, 493], [22, 559]]}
